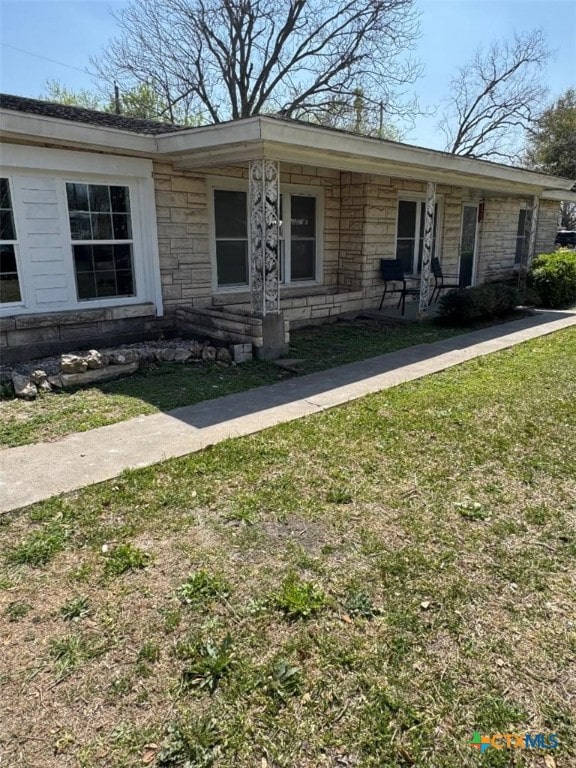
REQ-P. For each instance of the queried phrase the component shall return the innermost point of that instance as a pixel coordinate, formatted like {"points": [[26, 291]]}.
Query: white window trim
{"points": [[89, 168], [420, 197], [476, 257], [12, 305], [135, 242], [241, 185]]}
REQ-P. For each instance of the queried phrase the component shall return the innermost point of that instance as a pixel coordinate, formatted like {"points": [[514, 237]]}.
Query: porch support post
{"points": [[264, 194], [427, 250]]}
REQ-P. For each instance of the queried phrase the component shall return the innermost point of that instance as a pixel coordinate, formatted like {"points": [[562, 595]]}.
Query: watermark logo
{"points": [[483, 742]]}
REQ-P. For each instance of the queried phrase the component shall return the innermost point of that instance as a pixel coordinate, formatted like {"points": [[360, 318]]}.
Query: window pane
{"points": [[99, 196], [101, 226], [121, 225], [6, 225], [230, 213], [80, 228], [521, 222], [303, 261], [77, 197], [83, 258], [120, 199], [405, 252], [123, 256], [5, 194], [105, 283], [9, 289], [232, 260], [103, 257], [303, 216], [86, 285], [125, 282], [406, 218], [7, 259]]}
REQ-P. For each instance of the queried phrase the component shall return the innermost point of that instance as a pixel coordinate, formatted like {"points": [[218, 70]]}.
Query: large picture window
{"points": [[9, 282], [101, 232], [298, 249], [410, 234]]}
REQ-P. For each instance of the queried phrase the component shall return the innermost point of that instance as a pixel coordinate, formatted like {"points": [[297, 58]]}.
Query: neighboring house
{"points": [[115, 228]]}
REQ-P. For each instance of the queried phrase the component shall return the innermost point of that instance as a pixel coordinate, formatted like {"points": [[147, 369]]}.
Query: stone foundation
{"points": [[23, 337]]}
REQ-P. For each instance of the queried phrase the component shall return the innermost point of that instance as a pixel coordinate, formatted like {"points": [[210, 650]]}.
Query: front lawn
{"points": [[364, 587], [172, 385]]}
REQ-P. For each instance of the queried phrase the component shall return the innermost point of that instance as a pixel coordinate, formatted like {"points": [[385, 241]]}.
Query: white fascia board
{"points": [[560, 195], [35, 159], [319, 140], [227, 155], [27, 127], [207, 137]]}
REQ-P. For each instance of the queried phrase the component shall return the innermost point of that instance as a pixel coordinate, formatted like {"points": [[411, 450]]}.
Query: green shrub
{"points": [[553, 277], [483, 302]]}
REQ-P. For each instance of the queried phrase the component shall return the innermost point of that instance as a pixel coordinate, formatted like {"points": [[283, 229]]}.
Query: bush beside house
{"points": [[553, 278], [483, 302]]}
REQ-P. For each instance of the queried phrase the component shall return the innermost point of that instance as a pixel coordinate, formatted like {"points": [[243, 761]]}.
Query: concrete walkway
{"points": [[35, 472]]}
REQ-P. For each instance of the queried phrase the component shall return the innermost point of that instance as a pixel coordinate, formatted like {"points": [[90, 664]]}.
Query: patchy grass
{"points": [[171, 385], [406, 578]]}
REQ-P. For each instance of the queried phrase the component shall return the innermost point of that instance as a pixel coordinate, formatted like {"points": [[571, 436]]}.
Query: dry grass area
{"points": [[365, 587]]}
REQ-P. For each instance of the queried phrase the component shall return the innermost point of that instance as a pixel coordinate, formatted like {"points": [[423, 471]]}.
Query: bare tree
{"points": [[237, 58], [495, 97]]}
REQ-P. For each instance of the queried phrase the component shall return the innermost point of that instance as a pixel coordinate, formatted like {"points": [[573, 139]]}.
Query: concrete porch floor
{"points": [[410, 314]]}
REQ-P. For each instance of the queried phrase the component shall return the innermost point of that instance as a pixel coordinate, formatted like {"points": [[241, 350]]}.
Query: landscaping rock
{"points": [[44, 386], [72, 364], [95, 359], [209, 354], [182, 355], [55, 381], [196, 349], [242, 353], [23, 387], [165, 355], [116, 357], [97, 375], [38, 377], [224, 356]]}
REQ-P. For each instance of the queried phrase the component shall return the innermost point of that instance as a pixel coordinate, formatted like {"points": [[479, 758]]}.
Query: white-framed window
{"points": [[411, 215], [10, 292], [102, 242], [299, 235]]}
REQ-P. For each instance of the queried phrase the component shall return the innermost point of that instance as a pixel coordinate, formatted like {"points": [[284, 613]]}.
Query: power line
{"points": [[45, 58]]}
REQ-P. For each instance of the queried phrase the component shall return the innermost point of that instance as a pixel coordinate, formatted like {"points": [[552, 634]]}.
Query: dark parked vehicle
{"points": [[565, 239]]}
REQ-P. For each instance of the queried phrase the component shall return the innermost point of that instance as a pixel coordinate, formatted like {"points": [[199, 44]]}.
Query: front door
{"points": [[468, 239]]}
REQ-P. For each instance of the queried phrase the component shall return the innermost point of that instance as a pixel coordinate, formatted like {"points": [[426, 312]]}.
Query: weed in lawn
{"points": [[71, 651], [207, 663], [359, 603], [40, 547], [298, 598], [172, 618], [201, 588], [75, 609], [282, 680], [191, 744], [339, 496], [472, 510], [16, 611], [125, 557], [150, 652]]}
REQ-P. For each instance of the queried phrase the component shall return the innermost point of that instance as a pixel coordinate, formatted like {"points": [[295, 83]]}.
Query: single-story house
{"points": [[115, 228]]}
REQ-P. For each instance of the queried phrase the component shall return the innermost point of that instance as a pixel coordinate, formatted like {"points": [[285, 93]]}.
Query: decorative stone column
{"points": [[264, 200], [427, 249]]}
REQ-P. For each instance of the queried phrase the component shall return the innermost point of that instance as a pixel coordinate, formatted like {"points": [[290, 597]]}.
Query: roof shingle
{"points": [[83, 115]]}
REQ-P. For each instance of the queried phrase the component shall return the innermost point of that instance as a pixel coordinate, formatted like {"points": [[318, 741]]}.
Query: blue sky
{"points": [[71, 31]]}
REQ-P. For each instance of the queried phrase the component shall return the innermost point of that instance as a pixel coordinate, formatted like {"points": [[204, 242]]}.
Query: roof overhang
{"points": [[239, 141]]}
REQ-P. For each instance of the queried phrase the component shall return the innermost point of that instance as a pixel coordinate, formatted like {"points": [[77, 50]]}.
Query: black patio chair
{"points": [[392, 271], [442, 281]]}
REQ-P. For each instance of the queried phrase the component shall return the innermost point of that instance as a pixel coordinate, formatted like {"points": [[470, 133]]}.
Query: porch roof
{"points": [[272, 137]]}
